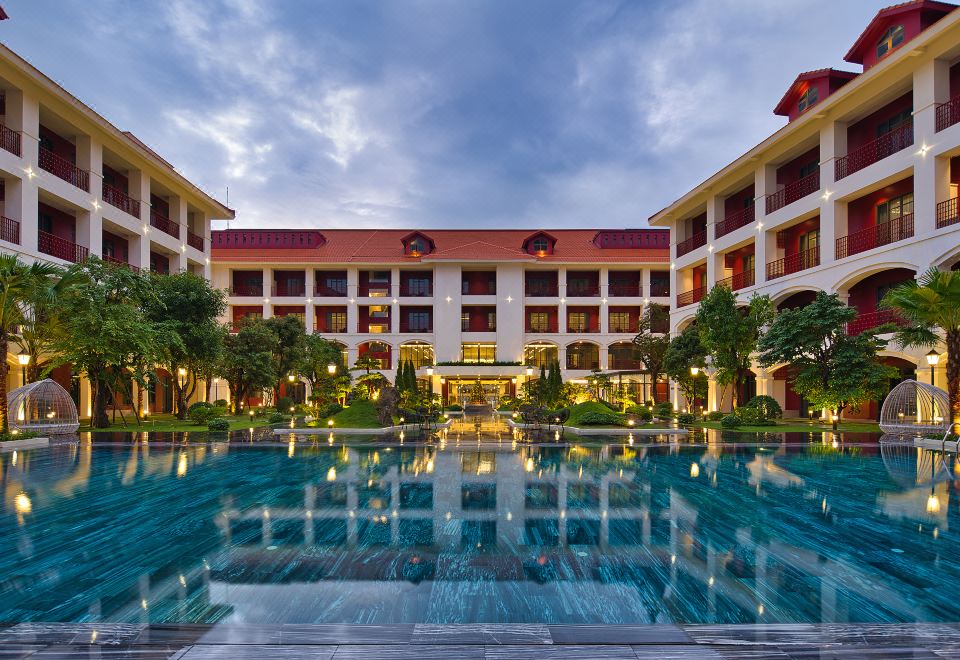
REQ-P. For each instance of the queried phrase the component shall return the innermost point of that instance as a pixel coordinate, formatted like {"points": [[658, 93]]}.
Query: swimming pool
{"points": [[470, 532]]}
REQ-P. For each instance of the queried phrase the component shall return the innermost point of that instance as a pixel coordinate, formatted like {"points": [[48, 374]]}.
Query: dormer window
{"points": [[892, 38], [540, 244], [808, 98], [417, 245]]}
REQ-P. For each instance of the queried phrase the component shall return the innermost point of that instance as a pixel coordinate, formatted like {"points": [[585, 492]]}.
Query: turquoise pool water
{"points": [[701, 531]]}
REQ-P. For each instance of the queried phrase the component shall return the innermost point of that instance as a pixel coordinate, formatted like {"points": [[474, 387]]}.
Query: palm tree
{"points": [[927, 306], [19, 285]]}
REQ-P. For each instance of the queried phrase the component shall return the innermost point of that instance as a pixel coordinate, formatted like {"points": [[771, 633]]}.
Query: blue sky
{"points": [[455, 113]]}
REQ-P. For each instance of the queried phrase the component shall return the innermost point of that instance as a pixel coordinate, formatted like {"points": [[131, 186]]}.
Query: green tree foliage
{"points": [[248, 363], [730, 333], [830, 368], [599, 382], [288, 349], [649, 346], [371, 380], [930, 305], [686, 351], [319, 354]]}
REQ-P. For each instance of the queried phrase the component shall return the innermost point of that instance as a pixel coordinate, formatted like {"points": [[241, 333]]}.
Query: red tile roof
{"points": [[793, 91], [869, 34], [385, 246]]}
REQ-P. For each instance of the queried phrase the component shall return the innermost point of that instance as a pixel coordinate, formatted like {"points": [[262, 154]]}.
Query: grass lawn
{"points": [[168, 422], [358, 415], [795, 425]]}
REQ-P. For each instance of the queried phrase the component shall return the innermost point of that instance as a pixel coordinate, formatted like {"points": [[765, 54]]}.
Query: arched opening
{"points": [[621, 356], [540, 354], [906, 370], [378, 350], [583, 355], [419, 353], [797, 299], [865, 297], [793, 404]]}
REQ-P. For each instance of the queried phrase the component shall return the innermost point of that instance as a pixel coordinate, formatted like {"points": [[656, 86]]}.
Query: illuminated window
{"points": [[537, 355], [577, 322], [808, 98], [619, 321], [894, 209], [336, 321], [418, 246], [478, 353], [892, 38], [540, 244], [539, 321], [421, 355]]}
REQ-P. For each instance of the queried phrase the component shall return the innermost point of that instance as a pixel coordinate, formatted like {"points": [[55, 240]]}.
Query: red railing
{"points": [[583, 291], [9, 230], [330, 291], [875, 150], [290, 290], [659, 290], [62, 168], [734, 221], [246, 290], [948, 114], [194, 241], [871, 320], [690, 297], [947, 213], [61, 248], [164, 224], [123, 201], [625, 290], [538, 290], [697, 240], [793, 191], [120, 262], [738, 281], [875, 236], [632, 326], [793, 263], [10, 140]]}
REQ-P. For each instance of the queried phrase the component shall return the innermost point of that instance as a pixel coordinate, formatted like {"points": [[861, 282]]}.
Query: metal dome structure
{"points": [[913, 408], [43, 407]]}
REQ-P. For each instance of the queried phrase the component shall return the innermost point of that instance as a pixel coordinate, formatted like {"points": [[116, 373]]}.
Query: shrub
{"points": [[197, 405], [601, 419], [730, 422], [329, 410], [218, 425], [276, 417], [686, 418], [563, 414], [663, 410], [221, 403], [716, 415], [748, 415], [645, 414], [767, 405], [201, 415], [455, 407], [284, 404]]}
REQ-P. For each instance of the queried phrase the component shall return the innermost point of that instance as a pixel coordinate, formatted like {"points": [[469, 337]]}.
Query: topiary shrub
{"points": [[218, 425], [456, 407], [276, 417], [197, 405], [716, 415], [329, 410], [748, 415], [200, 416], [730, 422], [284, 404], [663, 410], [601, 419], [221, 403], [685, 418], [767, 406], [645, 414]]}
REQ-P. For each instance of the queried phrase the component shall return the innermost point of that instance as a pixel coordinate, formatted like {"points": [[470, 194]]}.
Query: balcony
{"points": [[874, 151], [416, 290], [164, 224], [871, 320], [690, 297], [10, 140], [123, 201], [289, 290], [9, 230], [793, 191], [734, 221], [247, 290], [588, 291], [793, 263], [659, 289], [62, 168], [61, 248], [121, 263], [540, 290], [697, 240], [947, 213], [416, 326], [738, 281], [331, 291], [875, 236], [194, 241], [375, 290], [625, 290], [948, 114]]}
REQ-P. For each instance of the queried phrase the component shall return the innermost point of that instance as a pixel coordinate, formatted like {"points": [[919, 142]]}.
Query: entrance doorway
{"points": [[462, 390]]}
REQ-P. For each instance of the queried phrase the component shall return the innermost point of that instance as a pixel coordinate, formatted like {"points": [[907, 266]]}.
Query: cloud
{"points": [[230, 130]]}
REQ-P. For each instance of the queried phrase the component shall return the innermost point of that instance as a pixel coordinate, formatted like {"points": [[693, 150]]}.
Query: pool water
{"points": [[469, 532]]}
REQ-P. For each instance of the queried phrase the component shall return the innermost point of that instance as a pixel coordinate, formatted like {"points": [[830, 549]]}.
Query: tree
{"points": [[288, 349], [686, 351], [106, 333], [554, 384], [19, 285], [599, 382], [41, 323], [319, 355], [930, 305], [371, 380], [730, 333], [830, 368], [247, 363], [651, 347], [190, 308]]}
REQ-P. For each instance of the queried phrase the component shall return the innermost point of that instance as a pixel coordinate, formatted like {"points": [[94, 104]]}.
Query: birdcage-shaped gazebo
{"points": [[913, 408], [43, 407]]}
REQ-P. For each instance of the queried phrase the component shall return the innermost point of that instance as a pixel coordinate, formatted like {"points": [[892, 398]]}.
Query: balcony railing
{"points": [[738, 281], [689, 297], [478, 289], [947, 213], [875, 236], [194, 241], [61, 248], [537, 290], [734, 221], [870, 320], [631, 326], [660, 290], [415, 291], [537, 329], [246, 290], [948, 114], [697, 240], [416, 327], [375, 291], [10, 140], [876, 150], [582, 328], [289, 290], [164, 224], [625, 290], [330, 291], [793, 191], [123, 201], [793, 263], [121, 263], [62, 168], [9, 230], [583, 291]]}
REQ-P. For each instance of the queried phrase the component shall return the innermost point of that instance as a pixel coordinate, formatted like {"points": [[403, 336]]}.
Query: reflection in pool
{"points": [[305, 532]]}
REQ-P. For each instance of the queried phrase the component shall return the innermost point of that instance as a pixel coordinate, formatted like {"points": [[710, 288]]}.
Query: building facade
{"points": [[480, 304], [856, 194]]}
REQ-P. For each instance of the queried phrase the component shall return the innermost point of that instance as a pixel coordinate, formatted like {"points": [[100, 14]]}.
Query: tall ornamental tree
{"points": [[730, 333], [19, 285], [686, 351], [831, 369], [288, 349], [931, 306], [320, 353], [247, 362], [190, 308], [42, 323], [649, 346]]}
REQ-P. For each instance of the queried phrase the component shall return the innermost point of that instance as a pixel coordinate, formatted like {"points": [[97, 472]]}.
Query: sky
{"points": [[432, 114]]}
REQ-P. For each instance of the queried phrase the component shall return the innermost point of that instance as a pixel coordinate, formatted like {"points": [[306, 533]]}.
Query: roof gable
{"points": [[834, 79], [926, 12]]}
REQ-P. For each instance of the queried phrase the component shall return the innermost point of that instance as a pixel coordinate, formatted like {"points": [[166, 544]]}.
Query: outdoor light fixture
{"points": [[630, 422], [331, 368], [430, 371], [24, 360], [251, 413], [932, 359], [291, 378], [330, 423], [933, 503], [529, 371]]}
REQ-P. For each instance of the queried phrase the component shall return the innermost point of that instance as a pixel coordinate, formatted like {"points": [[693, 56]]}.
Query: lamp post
{"points": [[694, 371], [933, 358], [332, 369], [430, 380], [24, 360], [529, 371]]}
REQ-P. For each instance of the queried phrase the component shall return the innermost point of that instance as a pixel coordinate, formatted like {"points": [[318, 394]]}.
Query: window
{"points": [[336, 321], [418, 286], [537, 355], [491, 321], [421, 355], [809, 254], [894, 209], [620, 322], [464, 321], [892, 38], [749, 263], [577, 322], [418, 322], [893, 123], [808, 98], [809, 168], [378, 319], [380, 352], [334, 286], [45, 222], [540, 244], [538, 321], [418, 246], [478, 353]]}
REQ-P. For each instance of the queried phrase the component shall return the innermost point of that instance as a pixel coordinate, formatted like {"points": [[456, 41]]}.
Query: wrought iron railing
{"points": [[10, 140], [793, 191], [875, 150], [947, 213], [9, 230], [164, 224], [697, 240], [123, 201], [692, 296], [948, 114], [62, 168], [793, 263], [61, 248], [738, 281], [734, 221], [875, 236]]}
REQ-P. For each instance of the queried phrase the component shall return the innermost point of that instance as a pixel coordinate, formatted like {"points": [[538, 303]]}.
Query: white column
{"points": [[309, 319], [139, 186], [90, 222], [23, 114], [931, 175], [833, 215], [178, 214], [715, 212], [765, 183]]}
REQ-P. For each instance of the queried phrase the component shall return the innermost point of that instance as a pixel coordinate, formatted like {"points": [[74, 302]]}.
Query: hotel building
{"points": [[856, 194]]}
